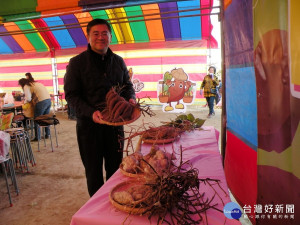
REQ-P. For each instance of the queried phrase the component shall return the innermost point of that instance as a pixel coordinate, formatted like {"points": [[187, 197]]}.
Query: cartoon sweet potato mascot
{"points": [[178, 85]]}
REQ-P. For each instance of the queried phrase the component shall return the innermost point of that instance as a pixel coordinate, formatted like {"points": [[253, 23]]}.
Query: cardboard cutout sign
{"points": [[176, 91], [137, 84]]}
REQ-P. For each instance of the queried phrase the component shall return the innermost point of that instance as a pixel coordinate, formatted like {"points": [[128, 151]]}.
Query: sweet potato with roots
{"points": [[118, 109]]}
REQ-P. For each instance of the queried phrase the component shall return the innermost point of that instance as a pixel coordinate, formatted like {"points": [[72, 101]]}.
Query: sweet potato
{"points": [[161, 132], [127, 112], [118, 109], [112, 101], [110, 93]]}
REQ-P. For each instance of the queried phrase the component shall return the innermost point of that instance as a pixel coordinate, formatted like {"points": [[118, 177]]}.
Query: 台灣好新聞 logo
{"points": [[232, 210]]}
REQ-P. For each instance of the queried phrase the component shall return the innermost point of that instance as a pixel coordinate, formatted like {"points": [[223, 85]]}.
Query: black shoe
{"points": [[46, 136], [34, 139]]}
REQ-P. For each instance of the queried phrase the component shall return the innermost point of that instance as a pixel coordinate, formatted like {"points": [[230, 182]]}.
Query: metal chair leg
{"points": [[6, 180], [29, 150], [51, 139], [21, 149], [30, 126], [13, 175], [55, 135], [43, 132]]}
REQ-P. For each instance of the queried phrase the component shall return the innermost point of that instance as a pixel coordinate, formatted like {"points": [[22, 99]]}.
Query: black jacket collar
{"points": [[95, 54]]}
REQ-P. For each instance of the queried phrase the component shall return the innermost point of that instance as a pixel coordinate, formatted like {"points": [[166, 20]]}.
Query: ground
{"points": [[55, 188]]}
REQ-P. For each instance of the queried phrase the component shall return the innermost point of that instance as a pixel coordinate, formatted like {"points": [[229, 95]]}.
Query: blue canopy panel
{"points": [[190, 26], [62, 36], [4, 48]]}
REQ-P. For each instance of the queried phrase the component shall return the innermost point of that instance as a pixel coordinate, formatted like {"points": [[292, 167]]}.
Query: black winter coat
{"points": [[90, 76]]}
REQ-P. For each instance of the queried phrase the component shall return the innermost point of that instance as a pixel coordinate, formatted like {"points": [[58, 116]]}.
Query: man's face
{"points": [[99, 38]]}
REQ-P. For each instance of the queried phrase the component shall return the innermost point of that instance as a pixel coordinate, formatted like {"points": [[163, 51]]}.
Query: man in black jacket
{"points": [[89, 77]]}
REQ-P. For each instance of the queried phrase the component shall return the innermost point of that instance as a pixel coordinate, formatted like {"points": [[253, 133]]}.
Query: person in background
{"points": [[38, 94], [209, 84], [70, 110], [29, 77], [71, 113], [90, 75]]}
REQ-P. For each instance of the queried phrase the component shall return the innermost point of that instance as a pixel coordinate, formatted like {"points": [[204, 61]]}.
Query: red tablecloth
{"points": [[200, 147]]}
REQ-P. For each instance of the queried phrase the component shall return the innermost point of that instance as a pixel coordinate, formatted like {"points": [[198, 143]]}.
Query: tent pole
{"points": [[54, 76], [209, 39], [224, 112]]}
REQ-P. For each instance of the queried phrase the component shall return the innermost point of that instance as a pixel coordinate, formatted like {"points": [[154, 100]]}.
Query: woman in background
{"points": [[209, 84], [37, 93], [29, 77]]}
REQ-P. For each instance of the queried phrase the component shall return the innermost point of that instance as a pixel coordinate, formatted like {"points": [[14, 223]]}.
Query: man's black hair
{"points": [[96, 22]]}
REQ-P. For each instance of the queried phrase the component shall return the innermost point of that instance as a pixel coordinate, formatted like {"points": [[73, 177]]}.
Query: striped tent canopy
{"points": [[29, 26]]}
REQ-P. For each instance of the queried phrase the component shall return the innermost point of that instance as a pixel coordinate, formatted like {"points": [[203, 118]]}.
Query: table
{"points": [[200, 147], [17, 105]]}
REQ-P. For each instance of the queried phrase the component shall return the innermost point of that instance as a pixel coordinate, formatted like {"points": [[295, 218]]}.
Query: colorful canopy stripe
{"points": [[131, 23]]}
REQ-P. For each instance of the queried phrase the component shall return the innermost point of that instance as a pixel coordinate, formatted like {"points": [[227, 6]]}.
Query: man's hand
{"points": [[201, 91], [97, 117]]}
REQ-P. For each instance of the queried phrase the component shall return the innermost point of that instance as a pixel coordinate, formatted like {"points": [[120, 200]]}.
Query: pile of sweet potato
{"points": [[117, 108], [161, 132]]}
